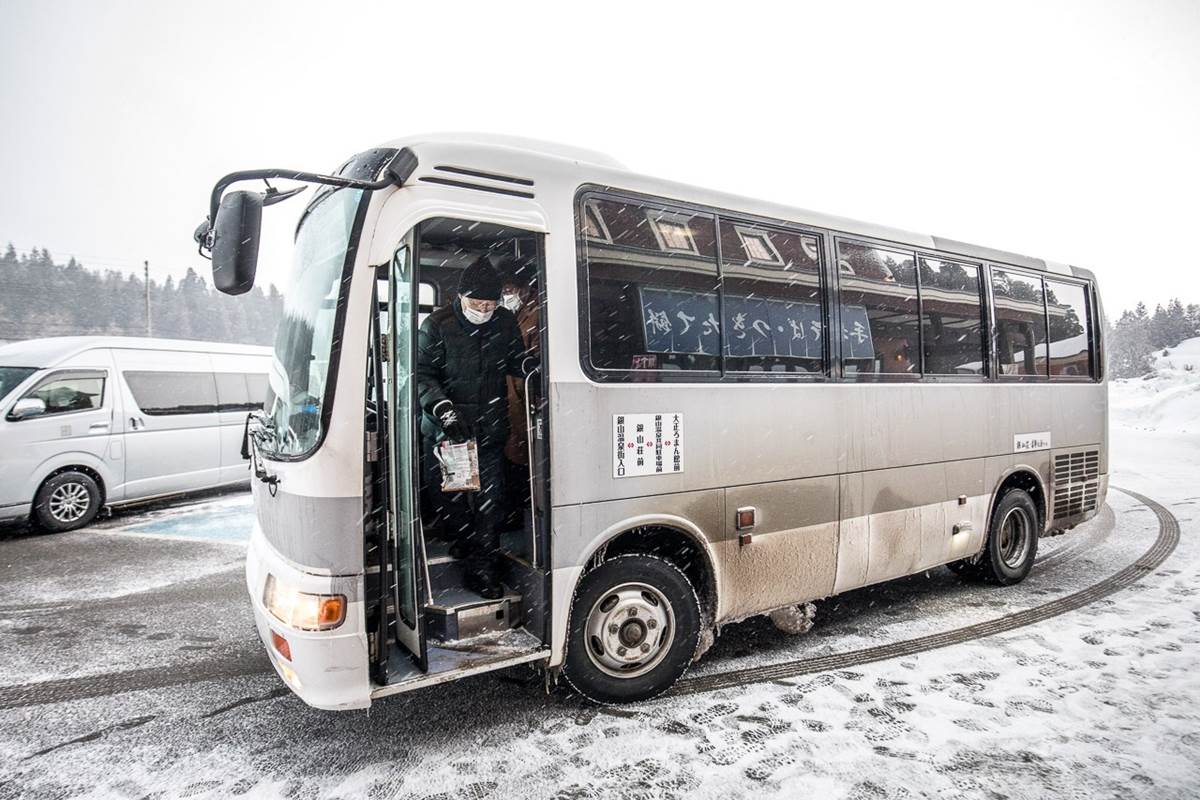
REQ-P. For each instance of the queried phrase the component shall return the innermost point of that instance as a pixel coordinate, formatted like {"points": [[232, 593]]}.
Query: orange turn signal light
{"points": [[332, 612], [281, 645]]}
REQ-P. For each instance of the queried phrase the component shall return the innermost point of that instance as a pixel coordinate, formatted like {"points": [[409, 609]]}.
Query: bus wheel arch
{"points": [[1028, 480], [676, 545]]}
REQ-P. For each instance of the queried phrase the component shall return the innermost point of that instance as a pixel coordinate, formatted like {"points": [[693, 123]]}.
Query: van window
{"points": [[256, 385], [67, 392], [1067, 306], [167, 393], [1020, 323], [235, 392], [232, 394]]}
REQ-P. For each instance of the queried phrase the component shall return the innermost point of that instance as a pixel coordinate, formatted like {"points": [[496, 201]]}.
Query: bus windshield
{"points": [[304, 340]]}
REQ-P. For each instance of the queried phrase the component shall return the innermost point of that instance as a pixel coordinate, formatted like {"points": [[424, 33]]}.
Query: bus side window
{"points": [[1069, 323], [651, 288], [774, 321], [1021, 322], [952, 318], [880, 326]]}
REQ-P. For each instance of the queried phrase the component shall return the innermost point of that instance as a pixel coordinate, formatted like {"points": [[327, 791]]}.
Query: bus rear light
{"points": [[281, 645], [303, 610]]}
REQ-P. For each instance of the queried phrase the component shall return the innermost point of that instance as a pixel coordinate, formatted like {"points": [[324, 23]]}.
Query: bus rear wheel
{"points": [[67, 501], [634, 629], [1012, 541]]}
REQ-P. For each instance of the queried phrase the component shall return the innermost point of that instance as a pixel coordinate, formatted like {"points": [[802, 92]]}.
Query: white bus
{"points": [[741, 407], [94, 421]]}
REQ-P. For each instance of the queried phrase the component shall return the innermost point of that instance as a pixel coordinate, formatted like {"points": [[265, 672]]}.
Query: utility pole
{"points": [[149, 329]]}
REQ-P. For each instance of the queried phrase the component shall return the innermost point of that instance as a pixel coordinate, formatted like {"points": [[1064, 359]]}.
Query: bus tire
{"points": [[66, 501], [634, 629], [1012, 540]]}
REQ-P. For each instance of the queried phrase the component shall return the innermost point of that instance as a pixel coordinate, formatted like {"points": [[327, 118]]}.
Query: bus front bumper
{"points": [[326, 669]]}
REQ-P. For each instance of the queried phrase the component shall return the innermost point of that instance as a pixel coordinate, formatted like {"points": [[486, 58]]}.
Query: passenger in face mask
{"points": [[465, 352]]}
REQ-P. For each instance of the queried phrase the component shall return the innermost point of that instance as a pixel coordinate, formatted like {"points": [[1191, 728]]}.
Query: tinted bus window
{"points": [[166, 393], [951, 318], [1067, 309], [1020, 323], [651, 286], [774, 321], [880, 331]]}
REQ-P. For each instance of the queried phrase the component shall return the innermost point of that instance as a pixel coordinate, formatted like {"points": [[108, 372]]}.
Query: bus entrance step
{"points": [[461, 614]]}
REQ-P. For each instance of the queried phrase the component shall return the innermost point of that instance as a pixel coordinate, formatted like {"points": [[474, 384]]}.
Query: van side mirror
{"points": [[27, 407], [235, 242]]}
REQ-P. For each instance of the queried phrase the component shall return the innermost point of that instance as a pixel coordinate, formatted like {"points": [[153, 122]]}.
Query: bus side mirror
{"points": [[27, 407], [235, 241]]}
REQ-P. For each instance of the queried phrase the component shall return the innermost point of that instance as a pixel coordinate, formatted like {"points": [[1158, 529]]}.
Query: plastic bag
{"points": [[460, 465]]}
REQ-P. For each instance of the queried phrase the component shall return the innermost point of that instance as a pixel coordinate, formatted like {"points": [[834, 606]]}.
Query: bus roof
{"points": [[498, 163], [48, 352]]}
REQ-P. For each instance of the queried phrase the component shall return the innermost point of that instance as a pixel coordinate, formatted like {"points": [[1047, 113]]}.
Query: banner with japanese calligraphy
{"points": [[856, 333], [680, 321]]}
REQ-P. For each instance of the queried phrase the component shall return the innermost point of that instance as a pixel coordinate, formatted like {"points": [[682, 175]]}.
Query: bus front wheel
{"points": [[634, 629]]}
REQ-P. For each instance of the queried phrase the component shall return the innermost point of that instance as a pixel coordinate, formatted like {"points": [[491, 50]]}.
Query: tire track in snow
{"points": [[256, 663], [1168, 538]]}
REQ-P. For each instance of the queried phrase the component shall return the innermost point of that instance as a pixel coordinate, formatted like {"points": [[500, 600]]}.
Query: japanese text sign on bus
{"points": [[647, 444]]}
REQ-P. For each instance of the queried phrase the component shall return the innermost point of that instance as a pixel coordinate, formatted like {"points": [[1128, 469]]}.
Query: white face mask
{"points": [[511, 301], [475, 317]]}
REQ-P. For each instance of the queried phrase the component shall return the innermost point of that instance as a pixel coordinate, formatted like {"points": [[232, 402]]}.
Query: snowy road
{"points": [[130, 668]]}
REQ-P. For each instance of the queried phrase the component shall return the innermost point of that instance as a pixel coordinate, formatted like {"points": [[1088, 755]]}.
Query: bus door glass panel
{"points": [[774, 321], [405, 516], [951, 318], [880, 309], [1020, 323], [652, 287], [1067, 310], [170, 423], [77, 417]]}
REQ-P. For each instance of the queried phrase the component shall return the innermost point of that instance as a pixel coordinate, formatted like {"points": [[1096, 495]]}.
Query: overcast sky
{"points": [[1065, 130]]}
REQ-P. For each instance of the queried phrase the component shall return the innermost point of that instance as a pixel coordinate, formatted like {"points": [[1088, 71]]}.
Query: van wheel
{"points": [[1012, 540], [67, 501], [634, 629]]}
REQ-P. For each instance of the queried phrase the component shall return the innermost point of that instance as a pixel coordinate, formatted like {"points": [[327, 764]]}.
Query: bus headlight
{"points": [[303, 610]]}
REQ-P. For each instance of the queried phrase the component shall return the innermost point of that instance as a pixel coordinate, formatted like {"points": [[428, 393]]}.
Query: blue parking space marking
{"points": [[219, 524]]}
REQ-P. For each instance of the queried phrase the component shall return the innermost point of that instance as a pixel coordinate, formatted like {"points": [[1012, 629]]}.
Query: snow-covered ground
{"points": [[1103, 701], [1168, 398]]}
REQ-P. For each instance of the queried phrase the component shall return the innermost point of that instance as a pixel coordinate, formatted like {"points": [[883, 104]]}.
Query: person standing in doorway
{"points": [[465, 352]]}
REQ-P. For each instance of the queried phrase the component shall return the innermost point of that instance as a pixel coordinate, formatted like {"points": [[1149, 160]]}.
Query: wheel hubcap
{"points": [[69, 502], [629, 630], [1015, 537]]}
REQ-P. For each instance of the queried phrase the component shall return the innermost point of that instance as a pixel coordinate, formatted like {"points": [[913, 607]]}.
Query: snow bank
{"points": [[1167, 398]]}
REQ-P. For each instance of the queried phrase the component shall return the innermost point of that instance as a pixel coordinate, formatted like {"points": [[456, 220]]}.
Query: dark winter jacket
{"points": [[467, 364]]}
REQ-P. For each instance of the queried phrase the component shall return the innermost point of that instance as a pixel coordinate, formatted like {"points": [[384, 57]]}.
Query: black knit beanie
{"points": [[479, 281]]}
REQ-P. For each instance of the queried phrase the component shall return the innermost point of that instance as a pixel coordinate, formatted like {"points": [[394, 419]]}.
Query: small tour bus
{"points": [[741, 407], [94, 421]]}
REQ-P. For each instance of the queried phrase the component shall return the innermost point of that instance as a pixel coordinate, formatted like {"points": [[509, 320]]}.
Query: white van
{"points": [[88, 422]]}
